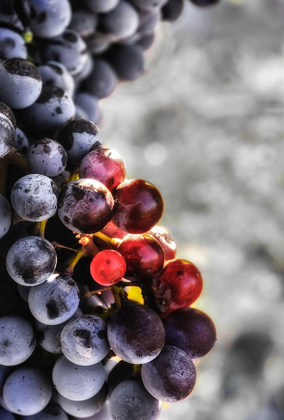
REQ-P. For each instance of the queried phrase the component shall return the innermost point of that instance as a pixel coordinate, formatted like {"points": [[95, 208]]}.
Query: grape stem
{"points": [[41, 228], [107, 239]]}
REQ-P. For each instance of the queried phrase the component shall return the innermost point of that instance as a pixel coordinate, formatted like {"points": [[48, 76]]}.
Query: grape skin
{"points": [[7, 129], [123, 21], [47, 157], [102, 80], [5, 415], [51, 412], [31, 260], [27, 391], [54, 73], [5, 216], [77, 383], [17, 340], [11, 44]]}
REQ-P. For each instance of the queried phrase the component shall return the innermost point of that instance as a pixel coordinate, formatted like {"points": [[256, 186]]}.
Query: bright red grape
{"points": [[108, 267]]}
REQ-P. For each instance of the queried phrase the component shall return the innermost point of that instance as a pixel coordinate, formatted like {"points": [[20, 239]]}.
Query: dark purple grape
{"points": [[136, 334], [101, 6], [7, 129], [191, 330], [122, 22], [5, 216], [20, 83], [148, 21], [78, 138], [49, 18], [102, 81], [99, 42], [149, 4], [204, 3], [143, 254], [171, 376], [83, 22], [21, 141], [146, 42], [47, 157], [12, 44], [127, 61], [104, 165], [138, 206], [122, 371], [56, 74], [89, 103], [85, 206], [130, 400], [172, 10]]}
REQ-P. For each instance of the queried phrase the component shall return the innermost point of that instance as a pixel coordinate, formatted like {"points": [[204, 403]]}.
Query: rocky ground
{"points": [[206, 125]]}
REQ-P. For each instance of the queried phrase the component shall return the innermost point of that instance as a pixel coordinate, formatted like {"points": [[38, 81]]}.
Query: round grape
{"points": [[54, 301], [102, 80], [17, 340], [108, 267], [7, 129], [31, 261], [172, 10], [101, 6], [56, 74], [27, 391], [47, 157], [85, 206], [122, 21], [21, 141], [77, 383], [89, 103], [11, 44], [122, 371], [165, 240], [34, 197], [127, 61], [83, 22], [51, 412], [5, 216]]}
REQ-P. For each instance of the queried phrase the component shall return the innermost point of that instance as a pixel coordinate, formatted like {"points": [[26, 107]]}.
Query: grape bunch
{"points": [[95, 309]]}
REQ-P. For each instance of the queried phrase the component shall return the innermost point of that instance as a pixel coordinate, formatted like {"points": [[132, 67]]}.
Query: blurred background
{"points": [[205, 124]]}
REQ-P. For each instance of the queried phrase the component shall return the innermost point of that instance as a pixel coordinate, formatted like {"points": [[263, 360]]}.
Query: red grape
{"points": [[108, 267], [165, 240]]}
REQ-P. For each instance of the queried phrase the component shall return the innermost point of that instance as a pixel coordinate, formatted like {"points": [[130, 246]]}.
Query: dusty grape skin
{"points": [[84, 340], [17, 340], [7, 131], [54, 301], [83, 22], [11, 44], [122, 21], [54, 73], [51, 412], [102, 80], [104, 165], [89, 103], [77, 383], [136, 334], [143, 254], [85, 408], [127, 61], [34, 197], [49, 18], [138, 206], [85, 206], [101, 6], [171, 376], [31, 260], [47, 157], [27, 391], [5, 216], [20, 83], [191, 330], [21, 141], [130, 400]]}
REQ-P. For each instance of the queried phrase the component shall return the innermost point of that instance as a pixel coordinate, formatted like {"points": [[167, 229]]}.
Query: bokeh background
{"points": [[205, 124]]}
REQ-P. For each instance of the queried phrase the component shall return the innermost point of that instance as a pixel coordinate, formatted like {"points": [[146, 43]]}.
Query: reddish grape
{"points": [[191, 330], [165, 240], [144, 255], [104, 165], [138, 206], [108, 267], [185, 283]]}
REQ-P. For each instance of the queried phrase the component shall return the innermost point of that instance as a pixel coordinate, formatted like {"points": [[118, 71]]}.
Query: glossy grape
{"points": [[143, 254], [138, 206], [20, 83], [47, 157], [108, 267], [102, 80], [31, 260], [27, 391], [130, 400], [165, 240], [77, 383], [191, 330], [78, 138], [54, 301], [5, 216], [7, 129], [85, 206], [171, 376], [104, 165], [123, 21], [127, 61], [136, 334], [34, 197], [17, 340]]}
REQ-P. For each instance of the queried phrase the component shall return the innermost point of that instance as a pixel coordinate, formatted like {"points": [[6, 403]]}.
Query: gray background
{"points": [[205, 125]]}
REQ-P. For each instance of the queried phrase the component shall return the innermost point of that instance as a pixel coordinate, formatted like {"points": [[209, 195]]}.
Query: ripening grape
{"points": [[108, 267]]}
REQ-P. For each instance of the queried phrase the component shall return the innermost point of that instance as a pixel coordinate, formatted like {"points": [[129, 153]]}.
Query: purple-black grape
{"points": [[34, 197], [85, 206], [146, 42], [6, 415], [127, 61], [12, 44], [204, 3], [101, 6], [7, 129], [49, 18], [172, 10], [85, 408], [122, 371], [149, 4], [171, 376], [47, 157], [191, 330], [54, 301], [148, 21], [5, 216], [122, 22], [68, 49], [130, 400], [20, 83], [56, 74], [51, 412], [136, 334], [99, 42], [84, 22], [53, 108], [102, 81], [89, 103], [77, 383], [78, 138], [24, 292], [86, 71], [21, 141], [27, 391], [17, 340], [84, 340], [31, 260]]}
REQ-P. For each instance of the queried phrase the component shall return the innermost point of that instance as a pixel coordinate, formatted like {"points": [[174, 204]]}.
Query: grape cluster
{"points": [[88, 276]]}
